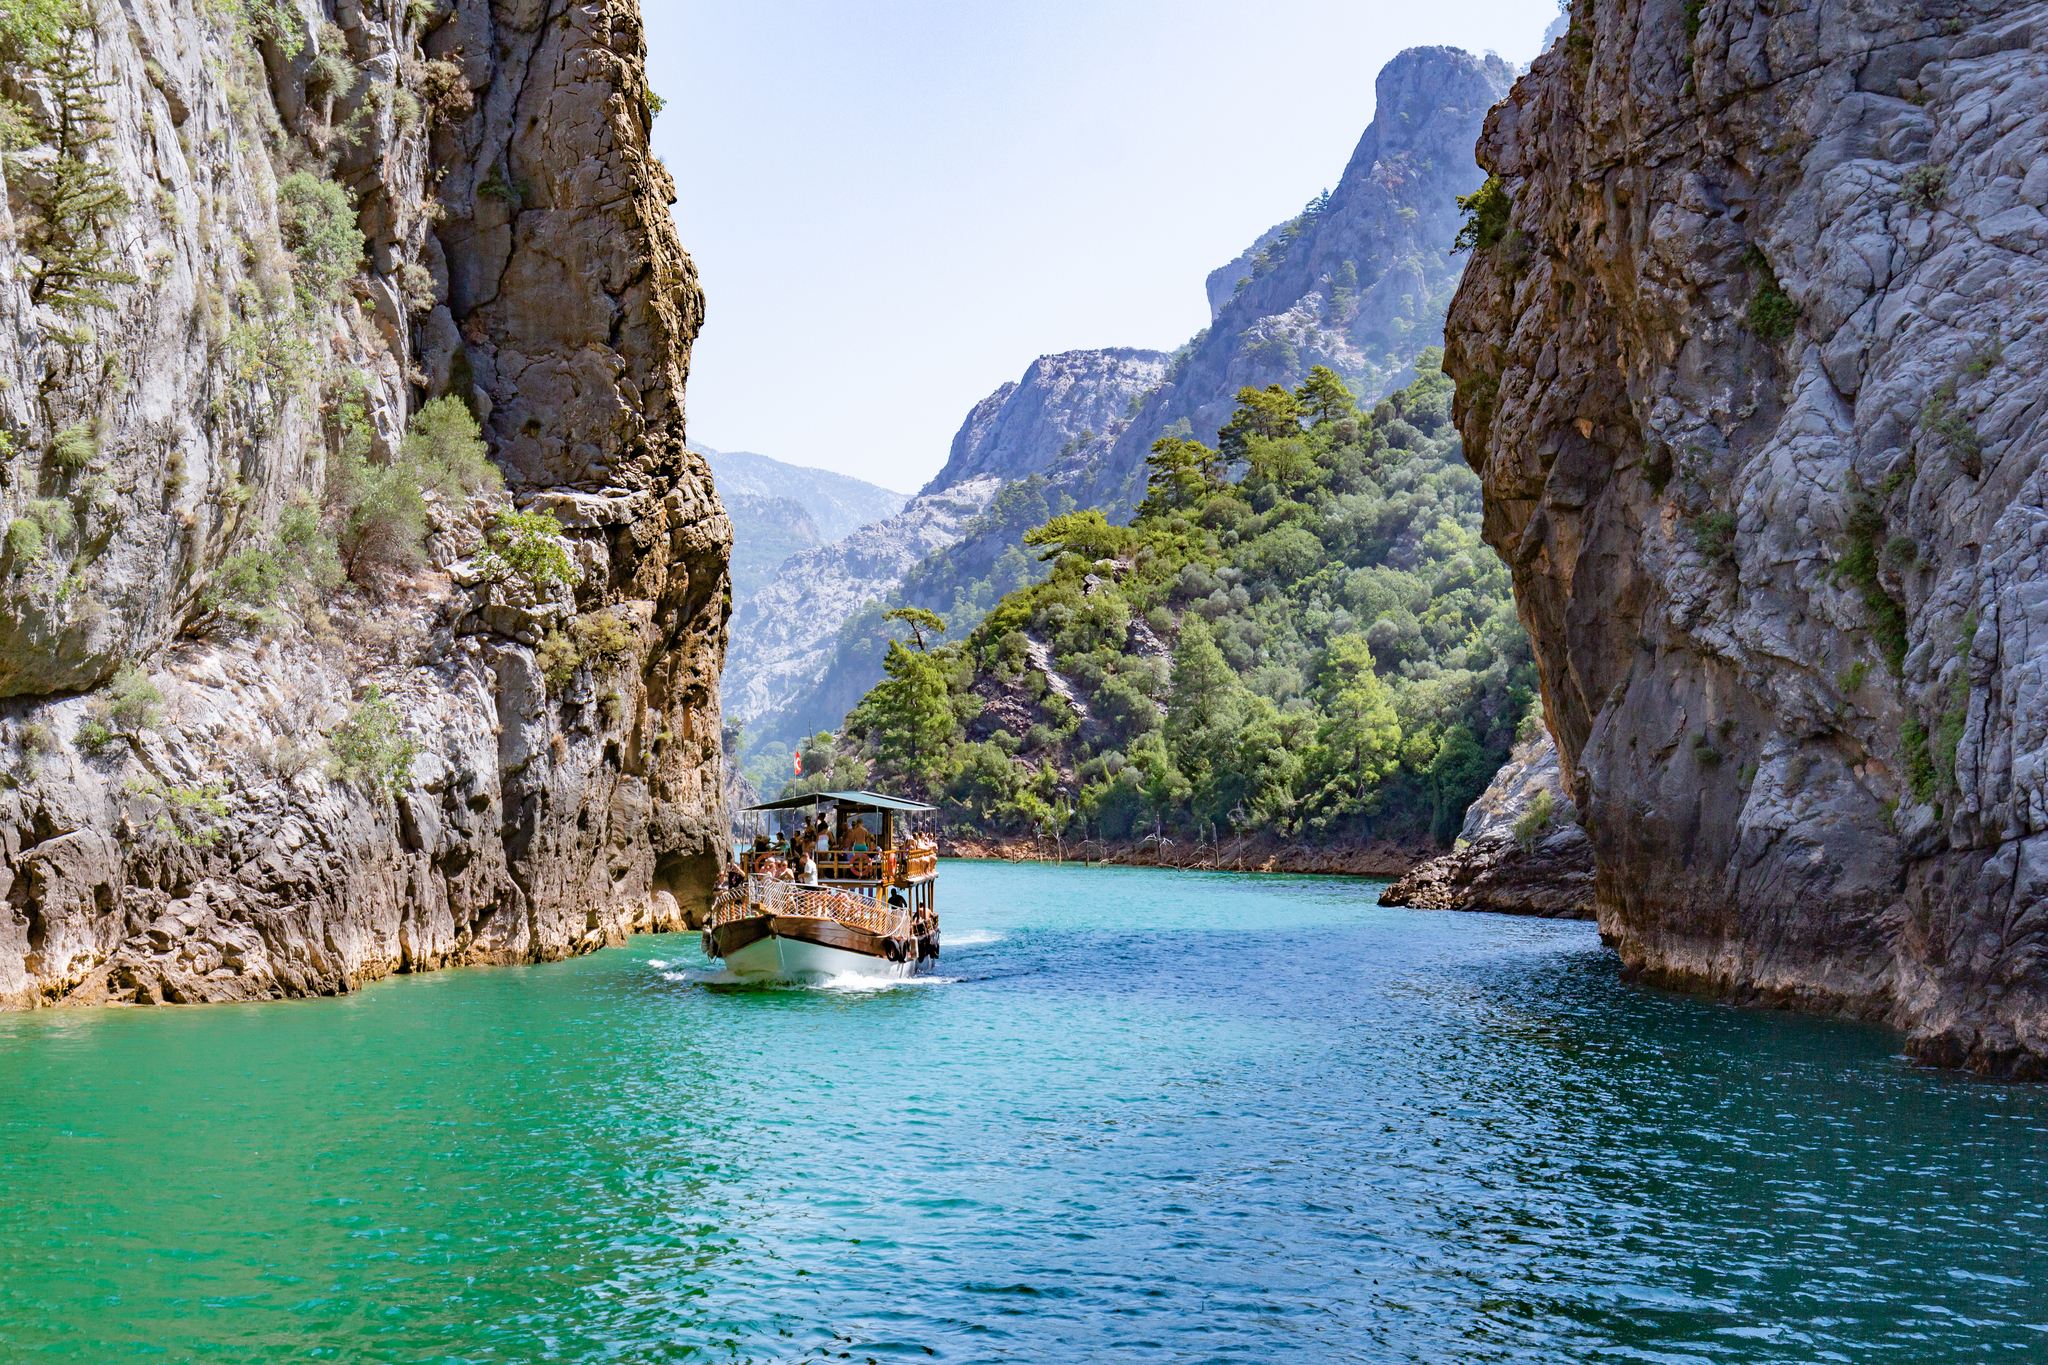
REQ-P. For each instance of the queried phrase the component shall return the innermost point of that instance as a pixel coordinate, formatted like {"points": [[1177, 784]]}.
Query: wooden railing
{"points": [[769, 896]]}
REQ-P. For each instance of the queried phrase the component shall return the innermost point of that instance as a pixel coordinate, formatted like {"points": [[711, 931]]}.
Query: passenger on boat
{"points": [[810, 869], [858, 839]]}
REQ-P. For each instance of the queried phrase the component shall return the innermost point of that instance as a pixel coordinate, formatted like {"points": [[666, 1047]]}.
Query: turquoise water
{"points": [[1143, 1116]]}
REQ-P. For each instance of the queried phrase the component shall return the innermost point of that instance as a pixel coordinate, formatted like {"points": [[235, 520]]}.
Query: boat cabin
{"points": [[872, 844]]}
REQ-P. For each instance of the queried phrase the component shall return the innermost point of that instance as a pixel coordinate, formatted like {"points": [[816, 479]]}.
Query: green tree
{"points": [[319, 228], [920, 622], [1325, 398], [1360, 730], [445, 446], [71, 210], [908, 717], [1087, 534], [1179, 473], [1271, 412]]}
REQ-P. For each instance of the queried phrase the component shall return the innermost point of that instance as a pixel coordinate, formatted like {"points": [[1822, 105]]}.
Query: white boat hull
{"points": [[775, 958]]}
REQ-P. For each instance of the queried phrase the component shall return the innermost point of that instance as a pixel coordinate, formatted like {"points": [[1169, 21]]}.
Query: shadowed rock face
{"points": [[520, 256], [1753, 379]]}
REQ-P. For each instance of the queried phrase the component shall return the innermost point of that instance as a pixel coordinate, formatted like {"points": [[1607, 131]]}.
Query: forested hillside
{"points": [[1300, 633], [1357, 281]]}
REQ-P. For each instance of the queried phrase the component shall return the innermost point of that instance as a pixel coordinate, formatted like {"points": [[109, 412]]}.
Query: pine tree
{"points": [[72, 213]]}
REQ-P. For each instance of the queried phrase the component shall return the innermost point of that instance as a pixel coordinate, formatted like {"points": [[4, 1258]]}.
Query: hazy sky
{"points": [[895, 207]]}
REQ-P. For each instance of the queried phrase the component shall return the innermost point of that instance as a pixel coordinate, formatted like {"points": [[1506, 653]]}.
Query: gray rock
{"points": [[520, 256], [1546, 870], [1753, 385]]}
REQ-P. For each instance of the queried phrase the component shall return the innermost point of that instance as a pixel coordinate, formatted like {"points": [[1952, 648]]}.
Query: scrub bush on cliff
{"points": [[380, 509]]}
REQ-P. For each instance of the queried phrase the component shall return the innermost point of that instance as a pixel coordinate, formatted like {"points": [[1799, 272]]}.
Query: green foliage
{"points": [[24, 542], [1321, 649], [381, 517], [1535, 822], [559, 659], [300, 556], [527, 544], [381, 509], [604, 639], [132, 702], [318, 225], [1854, 676], [1772, 313], [446, 446], [1952, 430], [184, 815], [1926, 187], [76, 446], [1922, 778], [1714, 535], [69, 213], [1860, 565], [1693, 11], [372, 747], [1948, 732], [95, 738], [250, 20], [1486, 212], [921, 623]]}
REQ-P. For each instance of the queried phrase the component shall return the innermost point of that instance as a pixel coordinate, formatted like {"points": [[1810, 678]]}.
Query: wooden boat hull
{"points": [[803, 949]]}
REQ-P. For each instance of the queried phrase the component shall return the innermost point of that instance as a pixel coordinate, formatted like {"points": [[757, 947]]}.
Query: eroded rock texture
{"points": [[1520, 852], [520, 256], [1753, 376]]}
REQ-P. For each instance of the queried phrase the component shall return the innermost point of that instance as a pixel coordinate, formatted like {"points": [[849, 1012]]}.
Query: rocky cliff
{"points": [[241, 247], [1521, 850], [1358, 281], [1750, 363]]}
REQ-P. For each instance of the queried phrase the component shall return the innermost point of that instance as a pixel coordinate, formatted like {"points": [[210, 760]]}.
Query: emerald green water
{"points": [[1142, 1116]]}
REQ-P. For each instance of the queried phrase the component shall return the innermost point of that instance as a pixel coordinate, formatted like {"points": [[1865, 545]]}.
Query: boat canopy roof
{"points": [[853, 800]]}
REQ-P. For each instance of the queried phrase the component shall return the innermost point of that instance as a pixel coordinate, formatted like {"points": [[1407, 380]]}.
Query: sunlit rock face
{"points": [[520, 257], [1751, 370]]}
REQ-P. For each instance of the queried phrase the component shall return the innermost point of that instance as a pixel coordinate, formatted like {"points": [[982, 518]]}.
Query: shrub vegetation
{"points": [[1300, 632]]}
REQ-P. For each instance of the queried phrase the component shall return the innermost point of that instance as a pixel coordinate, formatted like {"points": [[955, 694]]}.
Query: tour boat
{"points": [[869, 914]]}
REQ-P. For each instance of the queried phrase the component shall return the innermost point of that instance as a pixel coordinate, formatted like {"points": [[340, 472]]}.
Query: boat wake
{"points": [[973, 938], [851, 983]]}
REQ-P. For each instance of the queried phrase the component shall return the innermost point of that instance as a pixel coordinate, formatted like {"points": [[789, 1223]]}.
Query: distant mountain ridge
{"points": [[778, 510], [838, 503], [1358, 281]]}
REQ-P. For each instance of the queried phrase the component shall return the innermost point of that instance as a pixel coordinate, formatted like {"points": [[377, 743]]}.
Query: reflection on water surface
{"points": [[1144, 1116]]}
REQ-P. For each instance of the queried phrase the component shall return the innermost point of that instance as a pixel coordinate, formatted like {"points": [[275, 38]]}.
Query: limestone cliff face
{"points": [[1752, 374], [520, 256]]}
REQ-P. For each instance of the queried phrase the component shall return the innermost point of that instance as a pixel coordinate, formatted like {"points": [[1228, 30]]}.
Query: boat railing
{"points": [[772, 896], [855, 865]]}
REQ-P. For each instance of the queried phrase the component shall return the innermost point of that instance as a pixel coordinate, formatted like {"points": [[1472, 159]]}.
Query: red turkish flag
{"points": [[799, 762]]}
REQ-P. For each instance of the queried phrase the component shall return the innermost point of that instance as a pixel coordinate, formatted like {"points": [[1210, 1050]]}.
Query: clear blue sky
{"points": [[896, 207]]}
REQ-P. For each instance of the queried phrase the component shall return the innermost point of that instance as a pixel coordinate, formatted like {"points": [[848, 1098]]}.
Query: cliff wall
{"points": [[206, 803], [1750, 364]]}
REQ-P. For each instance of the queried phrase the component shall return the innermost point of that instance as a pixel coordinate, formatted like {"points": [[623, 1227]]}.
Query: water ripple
{"points": [[1144, 1116]]}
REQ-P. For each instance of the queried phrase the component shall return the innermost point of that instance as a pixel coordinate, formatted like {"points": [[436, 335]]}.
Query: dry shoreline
{"points": [[1381, 859]]}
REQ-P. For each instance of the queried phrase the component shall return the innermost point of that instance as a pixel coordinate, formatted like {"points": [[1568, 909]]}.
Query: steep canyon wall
{"points": [[518, 256], [1750, 362]]}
